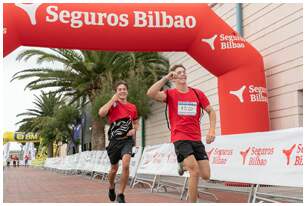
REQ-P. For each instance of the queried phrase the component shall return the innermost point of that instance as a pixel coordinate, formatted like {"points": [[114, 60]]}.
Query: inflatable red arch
{"points": [[193, 28]]}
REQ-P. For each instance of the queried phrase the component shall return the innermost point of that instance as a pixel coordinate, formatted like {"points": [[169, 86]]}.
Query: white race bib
{"points": [[187, 108]]}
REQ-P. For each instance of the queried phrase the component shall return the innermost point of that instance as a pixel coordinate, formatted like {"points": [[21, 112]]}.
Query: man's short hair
{"points": [[118, 83], [174, 67]]}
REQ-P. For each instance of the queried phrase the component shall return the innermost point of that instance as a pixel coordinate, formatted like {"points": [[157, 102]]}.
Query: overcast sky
{"points": [[15, 99]]}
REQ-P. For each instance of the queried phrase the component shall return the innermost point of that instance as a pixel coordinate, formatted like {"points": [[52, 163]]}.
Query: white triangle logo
{"points": [[30, 9], [210, 41], [239, 93]]}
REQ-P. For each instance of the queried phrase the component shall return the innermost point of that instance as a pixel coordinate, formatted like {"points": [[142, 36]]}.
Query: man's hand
{"points": [[106, 107], [171, 75], [210, 137], [132, 132], [115, 97]]}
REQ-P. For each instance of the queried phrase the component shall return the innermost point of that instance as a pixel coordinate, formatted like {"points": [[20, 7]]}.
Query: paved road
{"points": [[34, 185]]}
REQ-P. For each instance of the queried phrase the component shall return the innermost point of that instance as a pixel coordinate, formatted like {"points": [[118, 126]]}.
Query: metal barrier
{"points": [[268, 193]]}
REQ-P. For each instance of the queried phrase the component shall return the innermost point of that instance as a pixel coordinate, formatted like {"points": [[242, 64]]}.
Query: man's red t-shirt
{"points": [[120, 111], [184, 111]]}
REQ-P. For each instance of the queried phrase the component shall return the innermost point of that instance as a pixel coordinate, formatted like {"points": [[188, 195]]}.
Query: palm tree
{"points": [[51, 119], [45, 105], [86, 75]]}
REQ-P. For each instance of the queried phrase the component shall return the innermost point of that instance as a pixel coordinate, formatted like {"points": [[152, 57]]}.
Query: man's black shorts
{"points": [[184, 148], [117, 148]]}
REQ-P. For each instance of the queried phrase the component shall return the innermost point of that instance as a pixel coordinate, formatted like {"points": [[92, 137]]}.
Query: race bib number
{"points": [[187, 108]]}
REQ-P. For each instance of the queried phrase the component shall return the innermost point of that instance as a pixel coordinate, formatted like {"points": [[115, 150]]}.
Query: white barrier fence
{"points": [[90, 161], [159, 160], [269, 158], [272, 158]]}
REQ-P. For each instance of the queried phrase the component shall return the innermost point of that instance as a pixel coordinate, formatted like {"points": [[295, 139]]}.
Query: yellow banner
{"points": [[20, 137]]}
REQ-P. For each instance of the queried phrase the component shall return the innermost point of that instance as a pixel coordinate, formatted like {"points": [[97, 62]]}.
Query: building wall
{"points": [[275, 30]]}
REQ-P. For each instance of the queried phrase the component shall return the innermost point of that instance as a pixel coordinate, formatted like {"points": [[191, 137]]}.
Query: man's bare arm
{"points": [[154, 91], [106, 107], [210, 137]]}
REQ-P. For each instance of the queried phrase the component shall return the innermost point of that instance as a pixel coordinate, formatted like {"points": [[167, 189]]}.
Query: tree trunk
{"points": [[57, 150], [98, 135], [50, 149]]}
